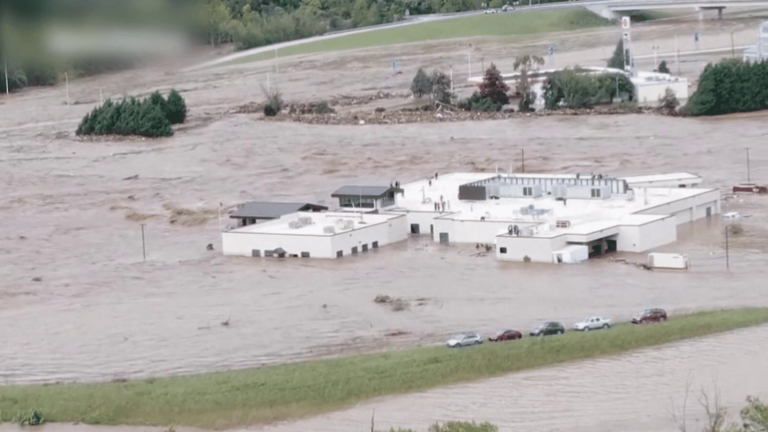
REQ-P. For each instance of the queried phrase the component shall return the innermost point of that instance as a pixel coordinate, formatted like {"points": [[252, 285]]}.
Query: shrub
{"points": [[422, 84], [663, 68], [17, 80], [730, 86], [493, 86], [41, 74], [29, 418], [175, 109], [574, 89], [478, 103], [324, 108], [128, 117], [457, 426], [668, 102], [274, 102]]}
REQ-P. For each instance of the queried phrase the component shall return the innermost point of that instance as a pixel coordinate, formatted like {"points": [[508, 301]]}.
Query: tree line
{"points": [[567, 88], [730, 86], [151, 117]]}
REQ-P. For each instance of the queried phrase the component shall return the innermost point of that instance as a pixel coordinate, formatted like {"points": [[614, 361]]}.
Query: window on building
{"points": [[503, 250], [388, 199], [305, 254], [357, 201], [354, 250], [268, 253], [255, 253], [375, 245], [595, 193], [339, 254], [527, 191], [365, 248]]}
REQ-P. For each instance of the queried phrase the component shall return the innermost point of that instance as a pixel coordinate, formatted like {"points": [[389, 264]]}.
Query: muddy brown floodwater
{"points": [[99, 313], [78, 302]]}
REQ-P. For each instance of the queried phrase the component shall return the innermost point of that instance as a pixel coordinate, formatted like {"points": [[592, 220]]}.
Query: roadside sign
{"points": [[625, 22], [696, 37]]}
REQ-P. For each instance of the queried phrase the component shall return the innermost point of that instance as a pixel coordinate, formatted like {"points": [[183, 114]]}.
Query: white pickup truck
{"points": [[593, 323]]}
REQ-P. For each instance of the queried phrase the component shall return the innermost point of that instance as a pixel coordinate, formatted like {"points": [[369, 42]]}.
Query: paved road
{"points": [[618, 4]]}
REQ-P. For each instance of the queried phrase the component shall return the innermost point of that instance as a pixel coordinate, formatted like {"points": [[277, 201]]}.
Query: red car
{"points": [[506, 335], [650, 316]]}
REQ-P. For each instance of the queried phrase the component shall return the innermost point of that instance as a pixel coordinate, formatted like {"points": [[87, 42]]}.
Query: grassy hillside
{"points": [[262, 395], [500, 24]]}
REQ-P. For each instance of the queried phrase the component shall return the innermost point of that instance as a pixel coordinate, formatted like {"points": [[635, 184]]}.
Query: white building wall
{"points": [[464, 231], [538, 249], [243, 243], [640, 238], [384, 233], [696, 206], [650, 93], [423, 219]]}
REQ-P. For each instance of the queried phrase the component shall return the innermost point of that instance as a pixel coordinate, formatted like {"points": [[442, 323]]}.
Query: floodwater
{"points": [[100, 313], [79, 303]]}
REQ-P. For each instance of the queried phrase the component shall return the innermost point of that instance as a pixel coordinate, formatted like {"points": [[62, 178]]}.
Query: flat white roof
{"points": [[658, 178], [319, 222], [585, 215]]}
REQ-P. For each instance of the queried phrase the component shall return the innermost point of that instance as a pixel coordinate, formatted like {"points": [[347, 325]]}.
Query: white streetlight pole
{"points": [[7, 90]]}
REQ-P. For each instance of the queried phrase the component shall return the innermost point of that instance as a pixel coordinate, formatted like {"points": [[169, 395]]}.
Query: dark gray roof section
{"points": [[272, 210], [366, 191]]}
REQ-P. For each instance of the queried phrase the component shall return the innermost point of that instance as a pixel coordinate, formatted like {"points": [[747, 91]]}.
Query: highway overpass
{"points": [[613, 8]]}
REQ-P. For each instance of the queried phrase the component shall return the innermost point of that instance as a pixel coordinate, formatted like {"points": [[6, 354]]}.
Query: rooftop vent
{"points": [[329, 229]]}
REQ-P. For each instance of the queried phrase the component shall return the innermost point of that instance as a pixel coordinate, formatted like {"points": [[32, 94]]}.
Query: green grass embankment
{"points": [[253, 396], [500, 24]]}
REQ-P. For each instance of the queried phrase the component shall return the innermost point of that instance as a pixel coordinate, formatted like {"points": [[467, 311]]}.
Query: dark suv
{"points": [[650, 316], [548, 328]]}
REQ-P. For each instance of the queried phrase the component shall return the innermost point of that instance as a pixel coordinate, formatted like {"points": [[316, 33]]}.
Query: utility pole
{"points": [[749, 179], [677, 56], [469, 62], [523, 152], [7, 90], [727, 257], [66, 77], [143, 243], [277, 65], [733, 48], [656, 58]]}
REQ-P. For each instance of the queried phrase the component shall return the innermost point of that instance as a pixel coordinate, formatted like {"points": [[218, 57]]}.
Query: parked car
{"points": [[506, 335], [490, 11], [592, 323], [650, 316], [548, 328], [465, 339]]}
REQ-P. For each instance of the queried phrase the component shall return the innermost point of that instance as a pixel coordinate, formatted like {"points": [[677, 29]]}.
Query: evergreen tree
{"points": [[176, 109], [422, 84], [617, 59], [493, 86], [152, 122], [663, 68]]}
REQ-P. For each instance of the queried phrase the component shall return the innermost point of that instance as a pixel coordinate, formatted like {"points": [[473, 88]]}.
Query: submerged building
{"points": [[528, 217], [759, 51]]}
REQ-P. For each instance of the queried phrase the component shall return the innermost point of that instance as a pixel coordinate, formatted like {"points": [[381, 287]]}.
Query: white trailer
{"points": [[667, 261]]}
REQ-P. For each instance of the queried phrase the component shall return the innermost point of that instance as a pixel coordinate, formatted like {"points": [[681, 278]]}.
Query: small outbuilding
{"points": [[366, 198], [254, 212]]}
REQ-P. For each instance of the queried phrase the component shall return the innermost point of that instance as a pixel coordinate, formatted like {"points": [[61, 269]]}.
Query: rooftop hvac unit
{"points": [[295, 224], [305, 220], [345, 224], [563, 224], [329, 229]]}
